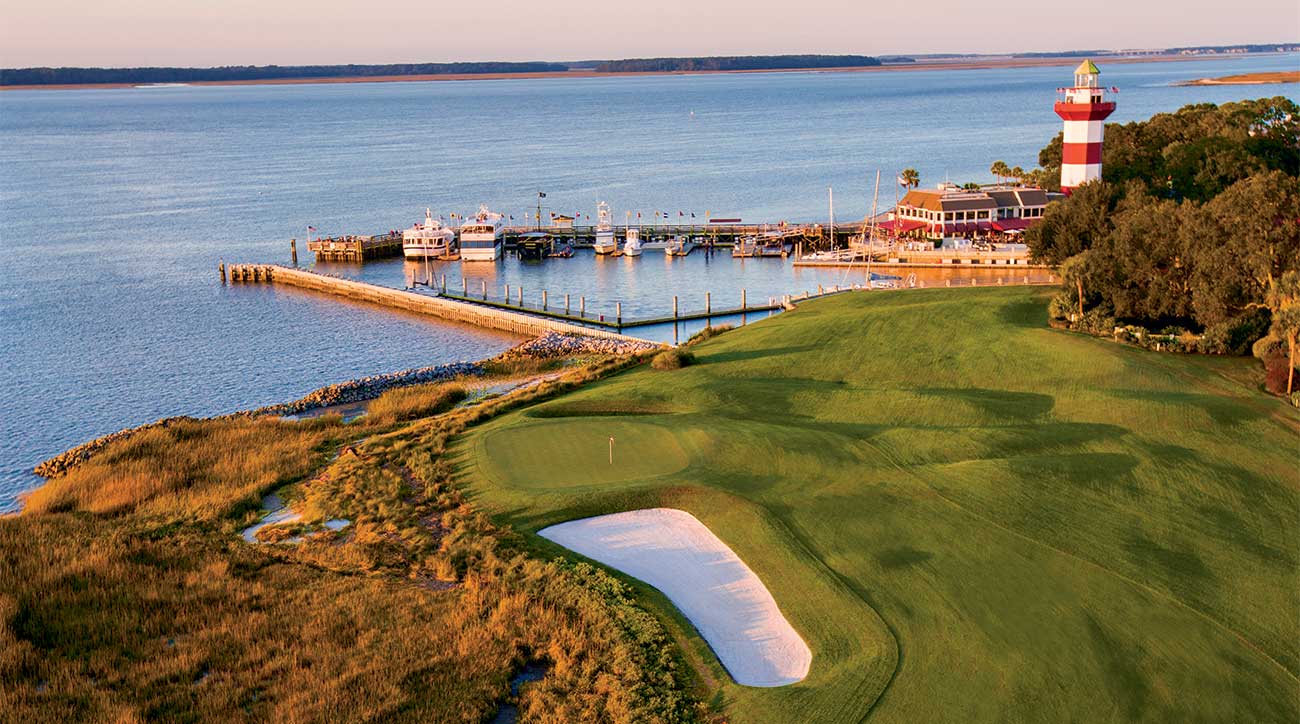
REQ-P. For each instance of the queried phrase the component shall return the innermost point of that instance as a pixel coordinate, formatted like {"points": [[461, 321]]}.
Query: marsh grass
{"points": [[128, 596]]}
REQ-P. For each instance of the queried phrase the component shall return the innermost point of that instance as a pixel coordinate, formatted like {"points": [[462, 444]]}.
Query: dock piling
{"points": [[544, 301], [222, 267], [444, 283], [464, 286], [484, 283], [566, 304], [708, 302], [743, 303], [674, 306], [582, 307], [293, 250], [618, 313], [521, 295]]}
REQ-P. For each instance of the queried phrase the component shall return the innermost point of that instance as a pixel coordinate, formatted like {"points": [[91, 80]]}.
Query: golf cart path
{"points": [[730, 607]]}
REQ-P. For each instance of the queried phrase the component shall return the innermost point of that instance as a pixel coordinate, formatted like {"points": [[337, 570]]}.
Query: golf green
{"points": [[967, 515]]}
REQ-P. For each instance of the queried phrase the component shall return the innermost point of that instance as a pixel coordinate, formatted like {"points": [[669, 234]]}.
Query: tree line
{"points": [[748, 62], [1193, 230], [87, 76]]}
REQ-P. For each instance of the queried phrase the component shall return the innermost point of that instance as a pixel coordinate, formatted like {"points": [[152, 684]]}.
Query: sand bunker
{"points": [[275, 513], [672, 551]]}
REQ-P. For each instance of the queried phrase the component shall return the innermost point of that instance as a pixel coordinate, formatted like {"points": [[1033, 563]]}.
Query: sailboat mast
{"points": [[830, 194], [871, 237]]}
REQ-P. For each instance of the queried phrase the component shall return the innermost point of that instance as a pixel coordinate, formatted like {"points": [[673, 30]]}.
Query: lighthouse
{"points": [[1084, 109]]}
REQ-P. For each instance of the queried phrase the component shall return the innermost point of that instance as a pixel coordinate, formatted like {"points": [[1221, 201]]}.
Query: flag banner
{"points": [[541, 194]]}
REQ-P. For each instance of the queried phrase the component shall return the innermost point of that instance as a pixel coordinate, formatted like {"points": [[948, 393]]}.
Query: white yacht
{"points": [[429, 239], [632, 247], [481, 236], [605, 243]]}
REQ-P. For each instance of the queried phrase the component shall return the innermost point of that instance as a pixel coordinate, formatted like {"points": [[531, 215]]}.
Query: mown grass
{"points": [[969, 516], [128, 595]]}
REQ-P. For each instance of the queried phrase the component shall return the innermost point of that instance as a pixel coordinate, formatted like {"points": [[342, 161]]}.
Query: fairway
{"points": [[966, 515]]}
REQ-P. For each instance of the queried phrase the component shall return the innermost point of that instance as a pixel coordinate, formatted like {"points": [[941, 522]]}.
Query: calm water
{"points": [[115, 206]]}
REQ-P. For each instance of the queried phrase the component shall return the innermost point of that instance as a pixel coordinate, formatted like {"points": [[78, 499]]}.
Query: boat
{"points": [[745, 247], [481, 236], [429, 239], [561, 250], [605, 242], [534, 245], [679, 246], [632, 246]]}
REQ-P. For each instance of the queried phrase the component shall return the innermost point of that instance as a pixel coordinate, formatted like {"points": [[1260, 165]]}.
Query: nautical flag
{"points": [[311, 228], [902, 181], [541, 194], [692, 214], [680, 213]]}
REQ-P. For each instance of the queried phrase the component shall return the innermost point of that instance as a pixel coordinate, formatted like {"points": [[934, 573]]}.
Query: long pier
{"points": [[506, 320]]}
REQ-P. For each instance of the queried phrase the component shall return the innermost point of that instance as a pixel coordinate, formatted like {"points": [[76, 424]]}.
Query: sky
{"points": [[289, 32]]}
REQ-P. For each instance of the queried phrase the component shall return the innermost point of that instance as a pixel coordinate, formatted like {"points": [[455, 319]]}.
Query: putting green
{"points": [[967, 515], [575, 451]]}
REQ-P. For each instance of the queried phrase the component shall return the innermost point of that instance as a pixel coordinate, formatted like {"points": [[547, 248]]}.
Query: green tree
{"points": [[1241, 243], [1074, 224], [1017, 173], [1284, 300]]}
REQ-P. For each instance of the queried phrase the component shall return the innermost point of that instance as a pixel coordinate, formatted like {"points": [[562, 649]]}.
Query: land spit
{"points": [[547, 346]]}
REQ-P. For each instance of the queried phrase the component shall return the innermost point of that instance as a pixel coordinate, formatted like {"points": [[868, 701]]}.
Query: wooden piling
{"points": [[521, 296], [674, 306], [544, 300], [484, 283], [566, 304], [743, 303], [444, 283], [222, 268], [464, 287], [293, 250], [708, 302], [582, 306], [618, 313]]}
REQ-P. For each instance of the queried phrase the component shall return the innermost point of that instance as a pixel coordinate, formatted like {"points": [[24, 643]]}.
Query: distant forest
{"points": [[748, 62], [78, 76]]}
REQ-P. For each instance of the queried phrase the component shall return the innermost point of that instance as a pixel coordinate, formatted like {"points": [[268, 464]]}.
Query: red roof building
{"points": [[953, 211]]}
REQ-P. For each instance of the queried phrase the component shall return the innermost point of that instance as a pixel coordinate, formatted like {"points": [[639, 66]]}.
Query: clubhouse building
{"points": [[952, 211]]}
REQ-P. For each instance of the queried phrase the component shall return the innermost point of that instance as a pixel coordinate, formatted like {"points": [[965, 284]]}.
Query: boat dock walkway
{"points": [[437, 306]]}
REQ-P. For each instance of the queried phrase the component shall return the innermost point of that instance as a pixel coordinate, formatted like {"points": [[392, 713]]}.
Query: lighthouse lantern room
{"points": [[1084, 109]]}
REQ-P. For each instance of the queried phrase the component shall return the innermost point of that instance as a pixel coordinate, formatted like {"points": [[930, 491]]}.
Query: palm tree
{"points": [[1000, 169], [1018, 174], [911, 178]]}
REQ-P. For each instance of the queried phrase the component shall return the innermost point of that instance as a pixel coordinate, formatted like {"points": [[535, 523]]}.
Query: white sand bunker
{"points": [[672, 551]]}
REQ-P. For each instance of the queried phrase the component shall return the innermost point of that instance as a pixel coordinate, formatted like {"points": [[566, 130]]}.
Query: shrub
{"points": [[1236, 336], [708, 333], [672, 359], [1268, 346]]}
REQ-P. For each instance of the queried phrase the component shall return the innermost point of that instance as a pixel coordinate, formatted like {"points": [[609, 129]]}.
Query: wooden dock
{"points": [[355, 248], [445, 308]]}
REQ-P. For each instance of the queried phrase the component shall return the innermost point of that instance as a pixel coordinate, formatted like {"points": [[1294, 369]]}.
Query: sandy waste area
{"points": [[730, 607]]}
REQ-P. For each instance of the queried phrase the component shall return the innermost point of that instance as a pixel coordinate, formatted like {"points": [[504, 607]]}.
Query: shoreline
{"points": [[989, 63], [1264, 78]]}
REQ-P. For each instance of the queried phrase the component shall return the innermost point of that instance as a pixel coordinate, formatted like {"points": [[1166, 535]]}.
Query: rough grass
{"points": [[969, 516], [408, 403], [130, 600]]}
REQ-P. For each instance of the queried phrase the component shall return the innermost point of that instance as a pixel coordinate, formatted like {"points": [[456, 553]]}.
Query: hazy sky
{"points": [[221, 32]]}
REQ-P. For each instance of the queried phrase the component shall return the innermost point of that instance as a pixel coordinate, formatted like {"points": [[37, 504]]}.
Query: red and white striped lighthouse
{"points": [[1084, 109]]}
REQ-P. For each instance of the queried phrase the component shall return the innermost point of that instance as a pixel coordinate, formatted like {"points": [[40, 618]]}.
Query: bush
{"points": [[1268, 346], [708, 333], [672, 359], [1236, 336]]}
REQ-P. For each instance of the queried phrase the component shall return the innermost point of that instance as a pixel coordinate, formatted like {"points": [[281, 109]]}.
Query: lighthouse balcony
{"points": [[1076, 111]]}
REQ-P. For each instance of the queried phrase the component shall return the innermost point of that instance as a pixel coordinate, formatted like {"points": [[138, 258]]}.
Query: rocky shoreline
{"points": [[552, 345]]}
